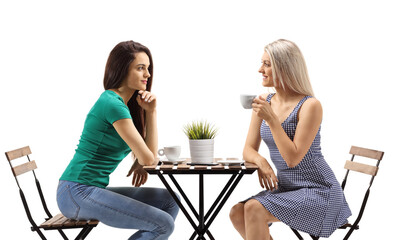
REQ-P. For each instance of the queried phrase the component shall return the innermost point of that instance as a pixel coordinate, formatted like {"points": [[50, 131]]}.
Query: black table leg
{"points": [[168, 187], [202, 228], [218, 199], [224, 190], [201, 206], [189, 205], [184, 196], [239, 177]]}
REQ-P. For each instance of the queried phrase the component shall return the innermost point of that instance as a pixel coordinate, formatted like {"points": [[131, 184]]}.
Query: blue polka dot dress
{"points": [[309, 197]]}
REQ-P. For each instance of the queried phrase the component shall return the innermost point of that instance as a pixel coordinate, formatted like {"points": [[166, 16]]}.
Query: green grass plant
{"points": [[200, 130]]}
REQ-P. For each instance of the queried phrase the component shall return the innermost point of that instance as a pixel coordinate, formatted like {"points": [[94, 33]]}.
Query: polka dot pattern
{"points": [[309, 197]]}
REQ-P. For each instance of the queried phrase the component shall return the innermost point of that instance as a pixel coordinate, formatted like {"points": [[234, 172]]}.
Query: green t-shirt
{"points": [[100, 148]]}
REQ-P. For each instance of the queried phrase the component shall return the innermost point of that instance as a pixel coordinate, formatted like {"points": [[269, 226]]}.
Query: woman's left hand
{"points": [[263, 109], [140, 174], [146, 100]]}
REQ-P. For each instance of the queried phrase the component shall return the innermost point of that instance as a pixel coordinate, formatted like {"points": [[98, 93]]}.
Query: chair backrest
{"points": [[360, 167], [24, 168]]}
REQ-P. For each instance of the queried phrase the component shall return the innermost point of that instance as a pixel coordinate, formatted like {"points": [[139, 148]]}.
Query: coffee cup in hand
{"points": [[172, 153], [246, 100]]}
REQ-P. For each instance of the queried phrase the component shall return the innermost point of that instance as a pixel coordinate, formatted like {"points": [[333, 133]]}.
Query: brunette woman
{"points": [[123, 119]]}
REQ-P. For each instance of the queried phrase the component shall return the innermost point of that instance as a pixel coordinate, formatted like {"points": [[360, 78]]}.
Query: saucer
{"points": [[176, 161], [229, 162]]}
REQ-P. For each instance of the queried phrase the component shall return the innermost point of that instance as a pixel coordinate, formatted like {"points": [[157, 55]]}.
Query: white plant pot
{"points": [[202, 150]]}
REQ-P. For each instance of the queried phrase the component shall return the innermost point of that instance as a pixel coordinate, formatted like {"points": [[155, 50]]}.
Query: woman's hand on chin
{"points": [[146, 100]]}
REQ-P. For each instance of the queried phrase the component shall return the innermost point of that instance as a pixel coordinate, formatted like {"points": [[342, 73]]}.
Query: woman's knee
{"points": [[171, 206], [166, 225], [237, 213], [253, 208]]}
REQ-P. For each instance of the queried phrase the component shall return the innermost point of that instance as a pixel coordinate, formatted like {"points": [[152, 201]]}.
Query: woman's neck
{"points": [[283, 96], [124, 93]]}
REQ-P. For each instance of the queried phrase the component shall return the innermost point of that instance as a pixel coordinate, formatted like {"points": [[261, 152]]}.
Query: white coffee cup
{"points": [[172, 152], [246, 100]]}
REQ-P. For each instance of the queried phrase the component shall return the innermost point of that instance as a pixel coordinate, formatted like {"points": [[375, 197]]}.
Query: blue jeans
{"points": [[151, 210]]}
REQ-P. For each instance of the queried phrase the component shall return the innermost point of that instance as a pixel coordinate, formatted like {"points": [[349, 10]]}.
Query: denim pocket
{"points": [[83, 191], [66, 202]]}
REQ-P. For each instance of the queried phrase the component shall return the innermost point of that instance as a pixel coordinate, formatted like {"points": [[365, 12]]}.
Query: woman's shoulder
{"points": [[109, 94], [110, 97], [113, 107], [109, 100], [312, 102], [311, 106]]}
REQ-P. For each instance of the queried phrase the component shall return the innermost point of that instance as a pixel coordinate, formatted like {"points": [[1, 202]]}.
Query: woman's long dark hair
{"points": [[116, 70]]}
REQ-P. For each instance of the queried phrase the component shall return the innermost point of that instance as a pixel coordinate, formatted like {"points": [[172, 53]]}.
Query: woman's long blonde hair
{"points": [[289, 67]]}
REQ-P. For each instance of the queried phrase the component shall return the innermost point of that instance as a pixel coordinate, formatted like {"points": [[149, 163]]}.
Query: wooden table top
{"points": [[188, 168]]}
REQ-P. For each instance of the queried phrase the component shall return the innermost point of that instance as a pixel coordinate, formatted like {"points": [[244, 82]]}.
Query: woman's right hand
{"points": [[147, 100], [267, 177], [140, 174]]}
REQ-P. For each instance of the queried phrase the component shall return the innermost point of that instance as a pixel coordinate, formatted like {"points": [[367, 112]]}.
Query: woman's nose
{"points": [[261, 70]]}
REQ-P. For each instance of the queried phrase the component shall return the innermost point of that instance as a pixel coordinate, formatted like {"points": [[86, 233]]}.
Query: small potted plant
{"points": [[201, 136]]}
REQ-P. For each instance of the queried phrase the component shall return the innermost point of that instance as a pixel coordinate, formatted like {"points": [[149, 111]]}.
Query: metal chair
{"points": [[362, 168], [58, 222]]}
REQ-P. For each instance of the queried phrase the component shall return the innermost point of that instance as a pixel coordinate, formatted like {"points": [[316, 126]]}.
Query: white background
{"points": [[52, 59]]}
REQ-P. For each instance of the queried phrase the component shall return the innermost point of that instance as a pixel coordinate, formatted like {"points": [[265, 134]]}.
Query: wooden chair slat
{"points": [[80, 223], [360, 167], [23, 168], [60, 222], [70, 223], [49, 222], [93, 222], [17, 153], [365, 152]]}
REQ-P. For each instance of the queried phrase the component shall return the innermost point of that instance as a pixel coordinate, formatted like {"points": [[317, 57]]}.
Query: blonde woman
{"points": [[305, 193]]}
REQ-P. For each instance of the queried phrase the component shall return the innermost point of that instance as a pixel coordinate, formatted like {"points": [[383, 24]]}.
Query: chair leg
{"points": [[36, 229], [63, 234], [300, 236], [350, 232], [297, 234], [83, 234], [360, 214]]}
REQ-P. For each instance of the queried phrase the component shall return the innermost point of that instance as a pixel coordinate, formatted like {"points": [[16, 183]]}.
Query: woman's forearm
{"points": [[151, 132], [285, 145], [252, 156]]}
